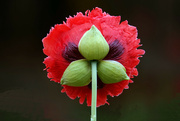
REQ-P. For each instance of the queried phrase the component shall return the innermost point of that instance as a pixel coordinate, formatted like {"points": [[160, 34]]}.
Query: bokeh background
{"points": [[26, 94]]}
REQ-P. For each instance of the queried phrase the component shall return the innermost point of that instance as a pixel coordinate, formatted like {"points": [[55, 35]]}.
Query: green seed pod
{"points": [[93, 45], [110, 71], [78, 73]]}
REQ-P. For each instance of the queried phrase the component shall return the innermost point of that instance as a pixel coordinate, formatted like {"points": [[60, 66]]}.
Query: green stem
{"points": [[94, 90]]}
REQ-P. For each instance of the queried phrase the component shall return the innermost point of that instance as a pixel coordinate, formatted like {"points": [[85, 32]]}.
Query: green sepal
{"points": [[77, 74], [93, 45], [110, 71]]}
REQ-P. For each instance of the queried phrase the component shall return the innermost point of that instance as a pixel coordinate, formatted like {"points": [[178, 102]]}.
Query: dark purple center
{"points": [[115, 51], [71, 53]]}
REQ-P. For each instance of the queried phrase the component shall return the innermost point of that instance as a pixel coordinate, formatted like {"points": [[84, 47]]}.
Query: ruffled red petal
{"points": [[55, 68], [72, 31], [131, 54]]}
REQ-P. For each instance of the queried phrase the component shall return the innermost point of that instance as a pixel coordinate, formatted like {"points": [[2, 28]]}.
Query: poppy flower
{"points": [[61, 47]]}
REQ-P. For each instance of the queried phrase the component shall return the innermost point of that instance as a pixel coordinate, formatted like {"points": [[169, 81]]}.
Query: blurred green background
{"points": [[26, 94]]}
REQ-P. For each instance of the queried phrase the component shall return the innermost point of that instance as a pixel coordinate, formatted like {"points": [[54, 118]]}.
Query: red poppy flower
{"points": [[61, 47]]}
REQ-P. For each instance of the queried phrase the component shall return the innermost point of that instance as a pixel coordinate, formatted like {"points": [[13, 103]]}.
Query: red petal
{"points": [[102, 97], [128, 38], [55, 68], [97, 12], [53, 42], [85, 92], [78, 20], [117, 88]]}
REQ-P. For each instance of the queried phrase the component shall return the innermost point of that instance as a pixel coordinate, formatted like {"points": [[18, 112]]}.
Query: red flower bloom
{"points": [[61, 47]]}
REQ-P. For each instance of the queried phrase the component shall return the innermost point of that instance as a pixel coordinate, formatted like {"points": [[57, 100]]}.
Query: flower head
{"points": [[62, 46]]}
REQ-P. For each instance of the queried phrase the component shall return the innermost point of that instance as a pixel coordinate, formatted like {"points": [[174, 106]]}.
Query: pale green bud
{"points": [[93, 45], [78, 73], [110, 71]]}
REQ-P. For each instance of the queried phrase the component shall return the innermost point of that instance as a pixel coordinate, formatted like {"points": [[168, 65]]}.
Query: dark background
{"points": [[26, 94]]}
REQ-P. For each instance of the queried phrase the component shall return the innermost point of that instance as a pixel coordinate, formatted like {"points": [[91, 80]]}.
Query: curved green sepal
{"points": [[110, 71], [93, 45], [78, 73]]}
